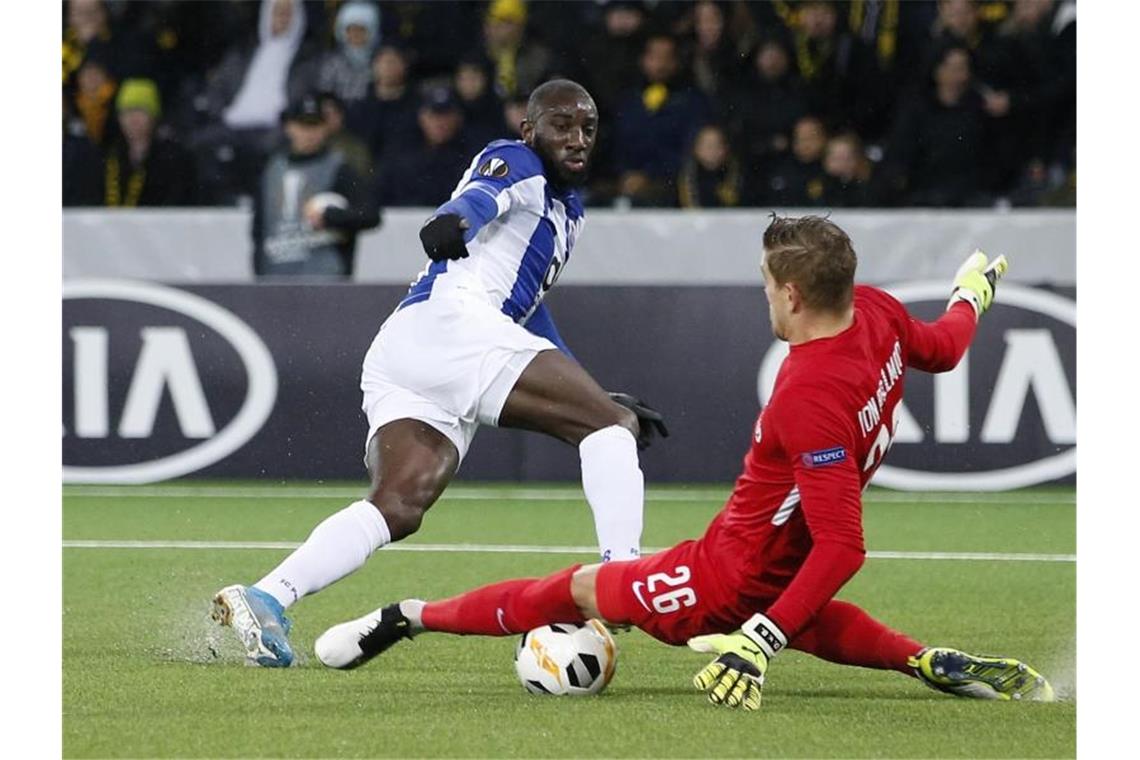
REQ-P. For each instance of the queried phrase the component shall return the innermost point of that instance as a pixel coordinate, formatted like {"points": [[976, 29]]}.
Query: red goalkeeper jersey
{"points": [[792, 532]]}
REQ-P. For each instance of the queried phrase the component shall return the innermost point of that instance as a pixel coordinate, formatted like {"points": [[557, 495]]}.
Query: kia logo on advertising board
{"points": [[158, 382], [1004, 418]]}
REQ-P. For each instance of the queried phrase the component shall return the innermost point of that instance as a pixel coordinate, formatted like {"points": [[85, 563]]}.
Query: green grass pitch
{"points": [[146, 674]]}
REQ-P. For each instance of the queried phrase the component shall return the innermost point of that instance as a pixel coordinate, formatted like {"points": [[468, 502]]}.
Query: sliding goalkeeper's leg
{"points": [[980, 676], [845, 634], [498, 609]]}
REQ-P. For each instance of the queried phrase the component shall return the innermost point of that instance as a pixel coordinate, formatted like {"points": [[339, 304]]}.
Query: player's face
{"points": [[563, 136]]}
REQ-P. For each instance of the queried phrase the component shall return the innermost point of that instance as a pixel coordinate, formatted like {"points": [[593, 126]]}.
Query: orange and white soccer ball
{"points": [[566, 658]]}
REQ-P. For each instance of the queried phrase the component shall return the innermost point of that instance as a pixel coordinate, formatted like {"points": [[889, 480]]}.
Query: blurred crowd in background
{"points": [[863, 103]]}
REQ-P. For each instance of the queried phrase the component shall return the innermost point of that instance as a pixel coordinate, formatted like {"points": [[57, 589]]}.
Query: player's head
{"points": [[561, 125], [809, 270]]}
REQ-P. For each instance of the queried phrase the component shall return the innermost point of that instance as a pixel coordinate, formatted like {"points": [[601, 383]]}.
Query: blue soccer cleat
{"points": [[980, 676], [259, 622]]}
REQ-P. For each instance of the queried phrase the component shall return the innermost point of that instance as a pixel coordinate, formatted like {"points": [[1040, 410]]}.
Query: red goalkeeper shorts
{"points": [[672, 595]]}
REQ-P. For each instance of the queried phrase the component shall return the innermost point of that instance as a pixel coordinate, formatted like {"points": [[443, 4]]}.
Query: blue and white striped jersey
{"points": [[521, 236]]}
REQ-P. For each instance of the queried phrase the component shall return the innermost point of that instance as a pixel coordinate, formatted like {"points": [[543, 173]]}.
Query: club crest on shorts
{"points": [[495, 167]]}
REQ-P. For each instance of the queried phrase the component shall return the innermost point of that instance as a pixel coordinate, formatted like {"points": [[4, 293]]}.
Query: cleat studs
{"points": [[1021, 667]]}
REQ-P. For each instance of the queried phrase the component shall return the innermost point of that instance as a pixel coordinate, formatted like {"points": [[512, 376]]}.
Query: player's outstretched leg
{"points": [[845, 634], [980, 676], [556, 396], [411, 463], [499, 609]]}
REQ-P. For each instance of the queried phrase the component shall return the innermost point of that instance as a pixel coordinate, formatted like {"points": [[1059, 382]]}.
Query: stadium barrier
{"points": [[242, 380], [615, 248]]}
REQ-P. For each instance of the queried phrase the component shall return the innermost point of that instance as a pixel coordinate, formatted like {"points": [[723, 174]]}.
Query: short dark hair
{"points": [[537, 100], [816, 255]]}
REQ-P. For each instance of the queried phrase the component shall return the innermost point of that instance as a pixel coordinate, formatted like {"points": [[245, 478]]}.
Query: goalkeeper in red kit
{"points": [[764, 575]]}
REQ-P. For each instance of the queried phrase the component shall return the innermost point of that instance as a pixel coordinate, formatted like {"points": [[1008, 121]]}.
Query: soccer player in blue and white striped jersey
{"points": [[472, 343]]}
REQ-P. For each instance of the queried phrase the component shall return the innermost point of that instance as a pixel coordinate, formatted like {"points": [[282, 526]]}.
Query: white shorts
{"points": [[449, 361]]}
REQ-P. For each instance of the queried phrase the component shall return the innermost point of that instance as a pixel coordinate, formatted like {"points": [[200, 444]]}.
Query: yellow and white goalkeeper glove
{"points": [[975, 281], [736, 676]]}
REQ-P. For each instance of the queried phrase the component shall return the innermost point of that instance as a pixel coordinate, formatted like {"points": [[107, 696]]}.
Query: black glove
{"points": [[442, 237], [649, 420]]}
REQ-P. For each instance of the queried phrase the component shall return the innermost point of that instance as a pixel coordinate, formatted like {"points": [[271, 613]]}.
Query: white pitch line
{"points": [[976, 556], [491, 494], [535, 549]]}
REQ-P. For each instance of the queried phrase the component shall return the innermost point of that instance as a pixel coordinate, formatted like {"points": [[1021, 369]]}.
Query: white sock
{"points": [[413, 610], [615, 489], [336, 547]]}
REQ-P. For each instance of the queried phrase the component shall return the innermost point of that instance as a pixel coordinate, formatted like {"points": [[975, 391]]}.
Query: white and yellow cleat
{"points": [[259, 622], [980, 676]]}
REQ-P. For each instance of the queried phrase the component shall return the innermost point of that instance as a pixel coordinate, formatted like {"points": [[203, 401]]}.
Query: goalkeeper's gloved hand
{"points": [[649, 420], [735, 678], [442, 237], [976, 280]]}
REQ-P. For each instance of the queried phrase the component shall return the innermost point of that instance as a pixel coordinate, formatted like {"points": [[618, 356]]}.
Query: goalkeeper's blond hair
{"points": [[816, 255]]}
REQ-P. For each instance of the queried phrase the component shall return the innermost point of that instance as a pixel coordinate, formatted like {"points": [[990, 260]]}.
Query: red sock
{"points": [[845, 634], [506, 608]]}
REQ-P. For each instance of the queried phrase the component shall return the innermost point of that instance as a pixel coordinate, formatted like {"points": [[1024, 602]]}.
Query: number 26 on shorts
{"points": [[666, 592]]}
